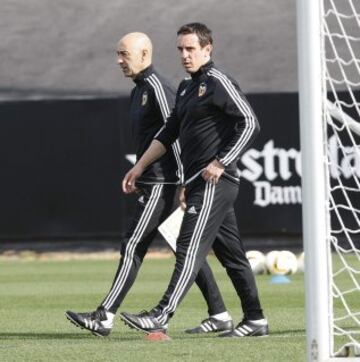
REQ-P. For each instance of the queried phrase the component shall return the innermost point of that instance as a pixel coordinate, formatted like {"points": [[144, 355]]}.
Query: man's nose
{"points": [[184, 54]]}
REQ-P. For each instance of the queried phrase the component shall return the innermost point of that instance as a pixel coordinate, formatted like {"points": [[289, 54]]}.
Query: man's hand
{"points": [[153, 153], [182, 198], [213, 172], [128, 183]]}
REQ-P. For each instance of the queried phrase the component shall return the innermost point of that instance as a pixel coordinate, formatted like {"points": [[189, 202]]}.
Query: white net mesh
{"points": [[341, 30]]}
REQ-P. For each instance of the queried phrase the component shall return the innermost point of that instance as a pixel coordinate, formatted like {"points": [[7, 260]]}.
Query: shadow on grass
{"points": [[62, 336], [32, 335], [121, 337], [288, 333], [277, 333]]}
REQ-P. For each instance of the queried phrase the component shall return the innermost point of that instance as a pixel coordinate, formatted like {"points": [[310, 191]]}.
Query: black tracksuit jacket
{"points": [[212, 120], [152, 100]]}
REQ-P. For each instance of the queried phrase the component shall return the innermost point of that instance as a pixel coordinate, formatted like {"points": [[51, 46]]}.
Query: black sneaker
{"points": [[248, 328], [96, 322], [212, 325], [143, 322], [151, 313]]}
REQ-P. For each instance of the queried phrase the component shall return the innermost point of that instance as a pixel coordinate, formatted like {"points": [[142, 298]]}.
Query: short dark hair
{"points": [[201, 30]]}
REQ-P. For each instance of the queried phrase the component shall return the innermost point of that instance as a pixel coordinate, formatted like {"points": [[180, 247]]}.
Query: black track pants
{"points": [[210, 222], [155, 203]]}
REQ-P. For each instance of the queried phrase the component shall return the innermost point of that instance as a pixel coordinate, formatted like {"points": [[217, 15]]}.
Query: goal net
{"points": [[341, 27], [335, 82]]}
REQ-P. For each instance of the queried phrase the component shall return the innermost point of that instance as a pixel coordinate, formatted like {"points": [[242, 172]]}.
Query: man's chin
{"points": [[189, 70], [126, 72]]}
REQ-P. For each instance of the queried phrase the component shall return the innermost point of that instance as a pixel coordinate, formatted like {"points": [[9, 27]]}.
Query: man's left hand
{"points": [[213, 172]]}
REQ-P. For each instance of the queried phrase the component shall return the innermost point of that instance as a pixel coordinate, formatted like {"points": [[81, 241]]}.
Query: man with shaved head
{"points": [[134, 53], [152, 99]]}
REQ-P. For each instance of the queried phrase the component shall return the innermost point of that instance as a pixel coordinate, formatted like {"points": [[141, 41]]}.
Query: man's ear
{"points": [[144, 55], [209, 48]]}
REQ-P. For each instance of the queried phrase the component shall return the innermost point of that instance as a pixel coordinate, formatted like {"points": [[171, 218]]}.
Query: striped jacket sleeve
{"points": [[229, 98], [169, 133], [165, 99]]}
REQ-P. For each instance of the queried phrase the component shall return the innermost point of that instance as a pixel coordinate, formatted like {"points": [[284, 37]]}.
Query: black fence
{"points": [[62, 162]]}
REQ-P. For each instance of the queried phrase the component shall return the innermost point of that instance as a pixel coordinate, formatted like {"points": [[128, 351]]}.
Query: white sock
{"points": [[109, 321], [224, 316], [259, 322]]}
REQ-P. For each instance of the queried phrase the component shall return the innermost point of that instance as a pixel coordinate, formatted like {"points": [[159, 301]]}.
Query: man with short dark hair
{"points": [[151, 101], [215, 124]]}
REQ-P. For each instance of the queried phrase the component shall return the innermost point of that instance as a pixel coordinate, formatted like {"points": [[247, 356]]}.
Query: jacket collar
{"points": [[143, 74], [202, 70]]}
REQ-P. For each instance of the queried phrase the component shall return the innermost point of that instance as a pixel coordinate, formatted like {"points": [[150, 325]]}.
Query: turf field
{"points": [[35, 295]]}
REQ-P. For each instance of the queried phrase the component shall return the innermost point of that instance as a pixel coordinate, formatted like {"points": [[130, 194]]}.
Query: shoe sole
{"points": [[132, 325], [203, 332], [247, 336], [75, 323]]}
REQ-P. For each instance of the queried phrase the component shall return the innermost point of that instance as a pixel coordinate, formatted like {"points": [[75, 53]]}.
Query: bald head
{"points": [[134, 52], [137, 42]]}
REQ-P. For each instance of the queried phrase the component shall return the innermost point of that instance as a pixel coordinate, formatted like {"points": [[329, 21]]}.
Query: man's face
{"points": [[129, 58], [192, 55]]}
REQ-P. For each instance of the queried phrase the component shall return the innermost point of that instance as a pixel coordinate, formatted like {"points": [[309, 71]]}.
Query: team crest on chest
{"points": [[202, 89], [144, 98]]}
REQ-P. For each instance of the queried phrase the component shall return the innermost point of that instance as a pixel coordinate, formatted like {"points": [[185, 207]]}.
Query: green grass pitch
{"points": [[35, 295]]}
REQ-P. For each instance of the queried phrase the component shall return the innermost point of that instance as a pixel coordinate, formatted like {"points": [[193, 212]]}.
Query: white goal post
{"points": [[329, 103]]}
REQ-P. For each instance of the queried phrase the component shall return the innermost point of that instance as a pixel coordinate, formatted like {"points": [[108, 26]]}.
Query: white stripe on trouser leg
{"points": [[192, 249], [208, 199], [184, 276], [190, 257], [131, 245], [130, 248]]}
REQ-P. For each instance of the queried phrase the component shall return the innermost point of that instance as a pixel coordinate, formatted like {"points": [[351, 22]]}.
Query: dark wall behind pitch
{"points": [[62, 162], [61, 168]]}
